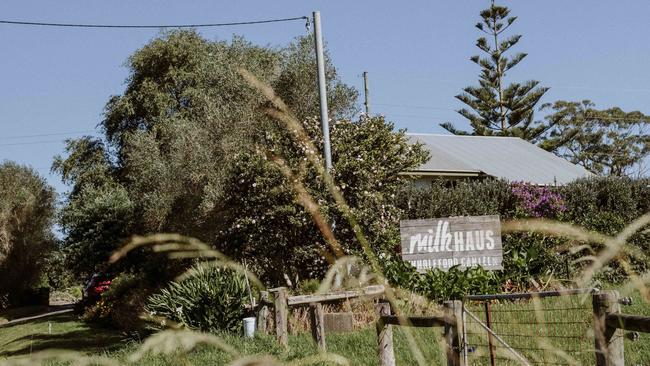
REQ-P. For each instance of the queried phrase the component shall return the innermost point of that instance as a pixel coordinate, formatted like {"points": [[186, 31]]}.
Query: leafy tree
{"points": [[494, 108], [298, 80], [607, 142], [186, 111], [26, 217], [173, 140], [98, 214]]}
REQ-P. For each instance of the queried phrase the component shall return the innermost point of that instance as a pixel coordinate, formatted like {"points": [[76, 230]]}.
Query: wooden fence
{"points": [[282, 303], [450, 320], [528, 328], [608, 324]]}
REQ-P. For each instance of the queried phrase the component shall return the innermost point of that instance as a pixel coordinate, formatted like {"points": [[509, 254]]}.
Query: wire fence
{"points": [[553, 329]]}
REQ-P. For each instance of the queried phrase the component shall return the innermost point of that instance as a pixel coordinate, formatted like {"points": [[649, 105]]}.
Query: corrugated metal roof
{"points": [[510, 158]]}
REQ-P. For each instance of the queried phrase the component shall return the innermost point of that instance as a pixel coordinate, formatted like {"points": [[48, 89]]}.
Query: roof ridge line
{"points": [[450, 135]]}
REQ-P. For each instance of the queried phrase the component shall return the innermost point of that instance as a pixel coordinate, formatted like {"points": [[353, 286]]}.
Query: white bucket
{"points": [[249, 327]]}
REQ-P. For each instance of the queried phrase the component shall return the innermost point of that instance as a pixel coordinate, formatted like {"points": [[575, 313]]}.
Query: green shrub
{"points": [[462, 198], [209, 299], [456, 283], [606, 205], [641, 193], [56, 274], [530, 255], [440, 285], [603, 204], [308, 286]]}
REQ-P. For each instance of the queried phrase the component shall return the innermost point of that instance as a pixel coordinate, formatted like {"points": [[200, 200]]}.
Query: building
{"points": [[509, 158]]}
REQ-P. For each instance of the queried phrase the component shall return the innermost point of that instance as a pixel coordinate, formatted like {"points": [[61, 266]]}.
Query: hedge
{"points": [[602, 204]]}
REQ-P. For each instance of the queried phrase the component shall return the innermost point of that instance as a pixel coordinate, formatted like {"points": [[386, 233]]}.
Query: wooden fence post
{"points": [[452, 332], [318, 325], [384, 336], [608, 340], [263, 313], [281, 315]]}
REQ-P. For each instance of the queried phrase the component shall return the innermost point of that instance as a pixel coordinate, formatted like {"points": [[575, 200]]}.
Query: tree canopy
{"points": [[26, 218], [607, 142], [181, 153]]}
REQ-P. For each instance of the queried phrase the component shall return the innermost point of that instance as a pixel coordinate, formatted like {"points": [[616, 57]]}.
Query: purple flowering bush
{"points": [[538, 201]]}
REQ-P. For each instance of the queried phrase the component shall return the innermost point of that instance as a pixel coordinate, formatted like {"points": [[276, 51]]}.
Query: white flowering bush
{"points": [[276, 235]]}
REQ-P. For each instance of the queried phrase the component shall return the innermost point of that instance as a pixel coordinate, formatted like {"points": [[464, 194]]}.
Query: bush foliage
{"points": [[186, 147]]}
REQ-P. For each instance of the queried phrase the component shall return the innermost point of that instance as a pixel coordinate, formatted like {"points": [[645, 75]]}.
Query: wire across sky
{"points": [[149, 26]]}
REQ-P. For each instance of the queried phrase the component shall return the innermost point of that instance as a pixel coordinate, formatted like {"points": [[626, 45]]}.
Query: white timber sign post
{"points": [[469, 241]]}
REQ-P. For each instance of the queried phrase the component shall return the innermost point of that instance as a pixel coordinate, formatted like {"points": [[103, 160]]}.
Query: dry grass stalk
{"points": [[282, 113]]}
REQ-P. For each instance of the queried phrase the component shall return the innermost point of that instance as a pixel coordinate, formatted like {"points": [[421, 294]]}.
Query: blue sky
{"points": [[54, 82]]}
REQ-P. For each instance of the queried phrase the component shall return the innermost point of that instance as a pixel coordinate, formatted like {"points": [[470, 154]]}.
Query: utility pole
{"points": [[322, 90], [366, 93]]}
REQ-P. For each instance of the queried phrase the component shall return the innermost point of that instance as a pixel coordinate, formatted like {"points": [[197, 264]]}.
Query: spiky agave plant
{"points": [[207, 299]]}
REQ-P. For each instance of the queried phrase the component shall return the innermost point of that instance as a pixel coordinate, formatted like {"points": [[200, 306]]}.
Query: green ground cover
{"points": [[63, 331], [68, 333]]}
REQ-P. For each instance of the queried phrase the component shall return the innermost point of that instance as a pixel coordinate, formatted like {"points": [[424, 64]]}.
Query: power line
{"points": [[587, 117], [139, 26], [47, 134], [33, 142], [412, 115], [414, 106], [551, 85]]}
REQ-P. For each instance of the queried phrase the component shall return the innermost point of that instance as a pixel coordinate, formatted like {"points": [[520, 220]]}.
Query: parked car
{"points": [[98, 283]]}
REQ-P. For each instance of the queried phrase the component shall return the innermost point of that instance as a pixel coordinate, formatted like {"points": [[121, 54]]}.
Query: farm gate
{"points": [[543, 328]]}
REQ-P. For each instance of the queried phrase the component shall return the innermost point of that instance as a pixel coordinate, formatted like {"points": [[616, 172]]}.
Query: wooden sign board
{"points": [[443, 243]]}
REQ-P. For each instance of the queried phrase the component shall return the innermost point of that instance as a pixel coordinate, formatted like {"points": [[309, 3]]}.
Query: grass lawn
{"points": [[566, 324], [68, 333], [358, 347], [57, 332], [23, 312], [637, 352]]}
